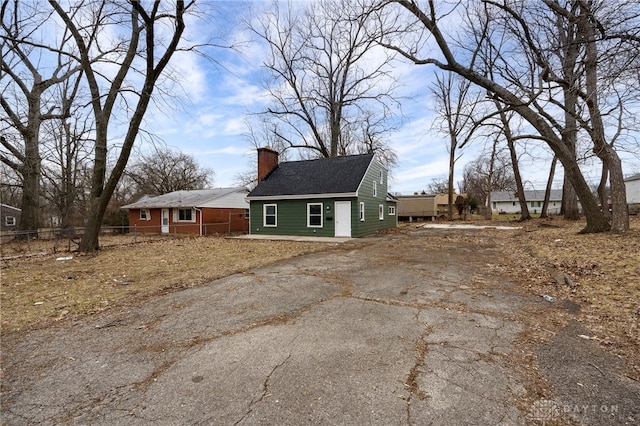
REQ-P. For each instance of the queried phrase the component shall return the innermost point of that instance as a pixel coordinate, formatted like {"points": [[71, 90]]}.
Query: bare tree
{"points": [[331, 86], [65, 148], [438, 186], [489, 172], [505, 121], [166, 171], [148, 36], [455, 106], [515, 19], [26, 96]]}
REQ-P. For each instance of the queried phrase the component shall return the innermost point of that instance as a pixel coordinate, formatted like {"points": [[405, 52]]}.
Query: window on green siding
{"points": [[314, 215], [380, 212], [270, 215], [381, 176], [392, 210], [375, 188], [185, 215], [361, 212]]}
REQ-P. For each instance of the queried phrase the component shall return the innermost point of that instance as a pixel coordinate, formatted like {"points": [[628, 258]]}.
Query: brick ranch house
{"points": [[197, 212]]}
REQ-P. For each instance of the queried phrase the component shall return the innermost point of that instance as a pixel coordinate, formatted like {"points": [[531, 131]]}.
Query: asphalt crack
{"points": [[411, 383], [265, 390]]}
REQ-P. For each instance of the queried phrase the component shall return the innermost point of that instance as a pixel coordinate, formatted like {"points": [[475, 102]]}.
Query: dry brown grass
{"points": [[40, 290], [605, 269]]}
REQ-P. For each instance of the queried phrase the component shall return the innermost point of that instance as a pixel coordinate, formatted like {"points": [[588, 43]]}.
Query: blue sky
{"points": [[210, 122]]}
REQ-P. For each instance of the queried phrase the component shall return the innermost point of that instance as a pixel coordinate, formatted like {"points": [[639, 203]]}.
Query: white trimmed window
{"points": [[184, 215], [392, 211], [246, 214], [375, 188], [361, 212], [314, 215], [270, 215], [145, 214], [380, 212], [381, 176], [10, 221]]}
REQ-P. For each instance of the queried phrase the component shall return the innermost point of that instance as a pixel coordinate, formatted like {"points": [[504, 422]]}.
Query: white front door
{"points": [[343, 218], [165, 221]]}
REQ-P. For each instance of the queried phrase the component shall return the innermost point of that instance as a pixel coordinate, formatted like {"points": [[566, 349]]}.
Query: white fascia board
{"points": [[302, 196]]}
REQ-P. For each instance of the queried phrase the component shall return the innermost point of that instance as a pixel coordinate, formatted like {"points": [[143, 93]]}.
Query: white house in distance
{"points": [[507, 202], [632, 184]]}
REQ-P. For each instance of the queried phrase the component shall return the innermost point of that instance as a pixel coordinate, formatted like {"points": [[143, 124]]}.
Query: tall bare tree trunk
{"points": [[547, 191], [489, 213], [452, 165], [602, 191], [506, 129], [604, 151]]}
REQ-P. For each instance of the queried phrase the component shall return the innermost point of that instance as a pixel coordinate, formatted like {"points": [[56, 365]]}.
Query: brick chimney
{"points": [[267, 161]]}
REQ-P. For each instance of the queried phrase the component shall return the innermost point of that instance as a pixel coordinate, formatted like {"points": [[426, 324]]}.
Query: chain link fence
{"points": [[14, 244]]}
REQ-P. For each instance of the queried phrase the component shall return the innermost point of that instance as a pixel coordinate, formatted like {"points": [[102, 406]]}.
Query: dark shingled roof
{"points": [[334, 175]]}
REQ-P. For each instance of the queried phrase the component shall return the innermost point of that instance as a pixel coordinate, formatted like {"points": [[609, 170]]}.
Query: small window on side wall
{"points": [[361, 212], [10, 221], [392, 211], [380, 212], [145, 214], [270, 215], [314, 215], [375, 188]]}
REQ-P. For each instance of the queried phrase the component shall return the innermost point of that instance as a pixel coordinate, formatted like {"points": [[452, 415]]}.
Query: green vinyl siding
{"points": [[372, 222], [292, 217]]}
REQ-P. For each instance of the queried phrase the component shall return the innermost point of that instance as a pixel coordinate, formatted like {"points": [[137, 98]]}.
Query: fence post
{"points": [[135, 233]]}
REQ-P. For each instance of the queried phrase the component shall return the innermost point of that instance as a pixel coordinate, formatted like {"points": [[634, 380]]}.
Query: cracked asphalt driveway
{"points": [[382, 330]]}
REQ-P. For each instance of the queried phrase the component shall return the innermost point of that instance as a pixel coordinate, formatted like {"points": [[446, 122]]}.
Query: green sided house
{"points": [[328, 197]]}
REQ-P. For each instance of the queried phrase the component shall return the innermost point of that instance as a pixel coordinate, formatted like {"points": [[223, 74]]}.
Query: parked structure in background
{"points": [[198, 212], [9, 217], [417, 207], [506, 202], [327, 197], [425, 206], [632, 184]]}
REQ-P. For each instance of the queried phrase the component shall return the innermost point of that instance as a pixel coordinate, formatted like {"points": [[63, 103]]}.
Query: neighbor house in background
{"points": [[199, 212], [507, 202], [632, 184], [329, 197], [9, 217]]}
